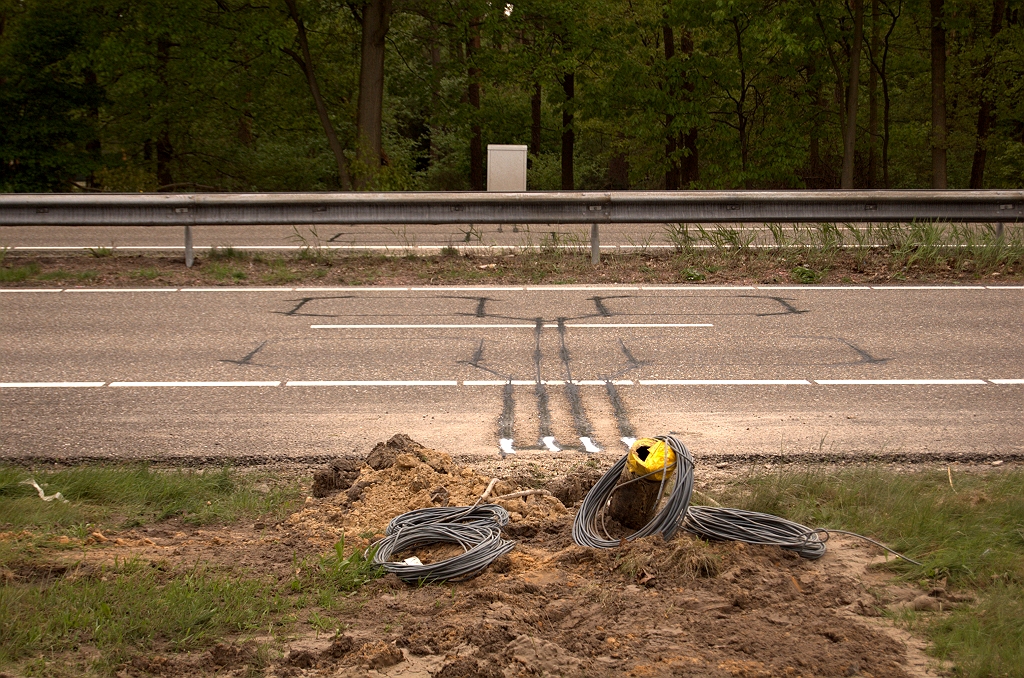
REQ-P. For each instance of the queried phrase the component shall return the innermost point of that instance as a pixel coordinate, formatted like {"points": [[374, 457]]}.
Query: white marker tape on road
{"points": [[506, 446], [169, 384], [52, 384], [1007, 381], [589, 445], [549, 442], [724, 382], [372, 383], [628, 441], [495, 382], [900, 382]]}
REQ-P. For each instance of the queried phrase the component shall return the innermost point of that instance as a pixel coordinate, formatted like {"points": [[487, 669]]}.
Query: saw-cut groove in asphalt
{"points": [[247, 358], [788, 308], [302, 301], [540, 390], [865, 357], [584, 430]]}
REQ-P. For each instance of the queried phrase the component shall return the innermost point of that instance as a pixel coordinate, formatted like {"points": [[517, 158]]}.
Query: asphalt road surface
{"points": [[257, 374]]}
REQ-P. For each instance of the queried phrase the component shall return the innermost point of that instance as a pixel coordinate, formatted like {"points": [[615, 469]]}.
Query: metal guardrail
{"points": [[628, 207]]}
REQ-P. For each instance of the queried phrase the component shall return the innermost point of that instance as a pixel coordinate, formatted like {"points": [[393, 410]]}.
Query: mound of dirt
{"points": [[338, 475], [411, 477]]}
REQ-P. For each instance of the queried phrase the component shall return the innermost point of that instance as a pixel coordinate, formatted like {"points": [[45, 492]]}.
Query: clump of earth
{"points": [[552, 608]]}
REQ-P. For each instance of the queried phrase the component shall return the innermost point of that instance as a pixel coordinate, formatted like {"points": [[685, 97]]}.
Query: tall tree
{"points": [[850, 133], [986, 106], [375, 18], [305, 62], [938, 53]]}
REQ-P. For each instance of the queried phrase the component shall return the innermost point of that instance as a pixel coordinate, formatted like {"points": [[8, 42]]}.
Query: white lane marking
{"points": [[496, 382], [724, 382], [124, 289], [506, 446], [470, 289], [351, 289], [638, 325], [684, 288], [506, 326], [549, 443], [169, 384], [589, 445], [237, 289], [582, 288], [928, 287], [628, 441], [423, 327], [814, 287], [696, 287], [19, 289], [900, 382], [372, 383], [52, 384], [520, 382]]}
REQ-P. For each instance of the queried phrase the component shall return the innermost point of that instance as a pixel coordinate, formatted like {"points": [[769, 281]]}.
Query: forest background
{"points": [[301, 95]]}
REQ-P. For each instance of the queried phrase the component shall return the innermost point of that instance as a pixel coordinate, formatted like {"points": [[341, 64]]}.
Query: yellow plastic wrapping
{"points": [[648, 455]]}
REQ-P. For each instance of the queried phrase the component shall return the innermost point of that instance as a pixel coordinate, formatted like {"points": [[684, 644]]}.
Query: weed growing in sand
{"points": [[334, 574], [965, 528]]}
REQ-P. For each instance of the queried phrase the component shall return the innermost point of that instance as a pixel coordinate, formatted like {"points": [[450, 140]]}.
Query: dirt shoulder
{"points": [[718, 267], [648, 608]]}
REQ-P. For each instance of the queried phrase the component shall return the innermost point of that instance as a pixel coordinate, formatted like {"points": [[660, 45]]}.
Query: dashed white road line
{"points": [[724, 382], [527, 288], [900, 382], [374, 383], [505, 326], [515, 382], [174, 384], [52, 384]]}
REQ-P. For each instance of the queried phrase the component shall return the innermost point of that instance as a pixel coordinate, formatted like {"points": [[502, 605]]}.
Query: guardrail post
{"points": [[188, 246], [595, 246]]}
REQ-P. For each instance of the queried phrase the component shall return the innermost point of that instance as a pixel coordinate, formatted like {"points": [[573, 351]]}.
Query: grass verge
{"points": [[66, 611], [965, 528]]}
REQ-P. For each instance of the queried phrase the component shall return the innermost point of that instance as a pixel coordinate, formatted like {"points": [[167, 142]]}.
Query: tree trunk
{"points": [[305, 62], [568, 136], [164, 149], [672, 173], [689, 170], [985, 108], [535, 120], [873, 98], [435, 89], [938, 141], [850, 133], [476, 151], [376, 21]]}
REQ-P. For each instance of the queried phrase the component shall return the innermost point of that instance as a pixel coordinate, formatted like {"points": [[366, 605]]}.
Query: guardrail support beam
{"points": [[595, 246], [189, 258]]}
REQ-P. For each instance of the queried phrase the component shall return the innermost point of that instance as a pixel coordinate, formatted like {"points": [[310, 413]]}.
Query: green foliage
{"points": [[98, 494], [805, 275], [129, 607], [971, 533], [204, 95]]}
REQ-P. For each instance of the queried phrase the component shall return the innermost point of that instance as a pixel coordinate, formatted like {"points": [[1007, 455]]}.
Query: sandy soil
{"points": [[550, 608]]}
